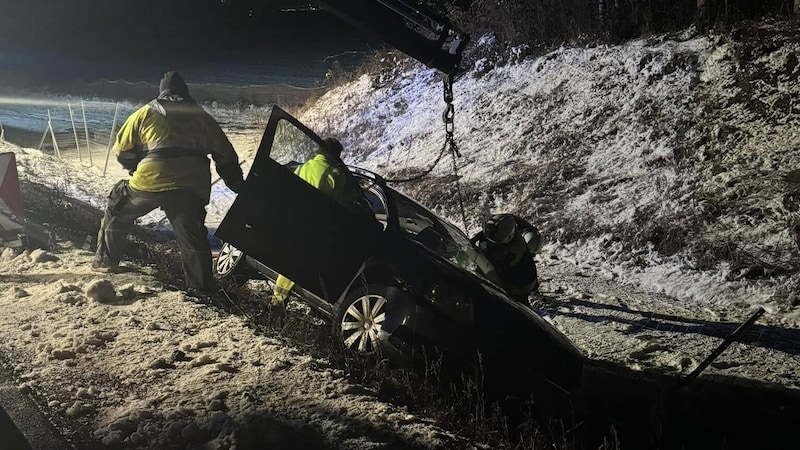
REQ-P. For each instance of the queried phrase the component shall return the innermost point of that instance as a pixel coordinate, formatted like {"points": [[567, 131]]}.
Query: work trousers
{"points": [[186, 213]]}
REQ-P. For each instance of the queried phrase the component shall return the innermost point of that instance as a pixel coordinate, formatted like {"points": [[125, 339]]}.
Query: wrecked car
{"points": [[399, 280]]}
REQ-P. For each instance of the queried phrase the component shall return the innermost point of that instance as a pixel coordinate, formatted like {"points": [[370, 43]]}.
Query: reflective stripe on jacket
{"points": [[176, 135]]}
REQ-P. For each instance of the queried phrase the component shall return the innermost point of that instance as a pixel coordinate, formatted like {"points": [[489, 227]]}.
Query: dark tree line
{"points": [[542, 22]]}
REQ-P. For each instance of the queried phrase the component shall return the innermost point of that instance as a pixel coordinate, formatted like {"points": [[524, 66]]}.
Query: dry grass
{"points": [[454, 398]]}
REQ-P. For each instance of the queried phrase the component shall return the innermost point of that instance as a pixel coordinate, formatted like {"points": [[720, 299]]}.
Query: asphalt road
{"points": [[22, 424]]}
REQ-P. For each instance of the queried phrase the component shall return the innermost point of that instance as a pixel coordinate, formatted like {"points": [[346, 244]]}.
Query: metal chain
{"points": [[449, 127], [449, 142], [447, 117], [454, 148], [449, 111]]}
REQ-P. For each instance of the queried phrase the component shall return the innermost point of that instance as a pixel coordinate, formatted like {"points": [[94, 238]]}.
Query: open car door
{"points": [[290, 226]]}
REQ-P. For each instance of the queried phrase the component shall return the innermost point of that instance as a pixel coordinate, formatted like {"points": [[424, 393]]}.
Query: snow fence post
{"points": [[86, 131], [53, 134], [74, 131], [44, 136], [111, 138]]}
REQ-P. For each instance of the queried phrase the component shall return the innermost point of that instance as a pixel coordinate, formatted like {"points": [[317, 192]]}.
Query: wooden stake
{"points": [[721, 347]]}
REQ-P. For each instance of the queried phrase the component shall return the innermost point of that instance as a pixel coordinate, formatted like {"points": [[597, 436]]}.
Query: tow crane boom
{"points": [[406, 25]]}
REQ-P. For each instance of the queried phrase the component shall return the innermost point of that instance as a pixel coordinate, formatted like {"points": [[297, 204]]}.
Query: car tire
{"points": [[359, 317], [231, 265]]}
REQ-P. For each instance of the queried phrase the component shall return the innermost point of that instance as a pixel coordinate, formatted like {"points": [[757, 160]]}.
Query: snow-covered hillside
{"points": [[659, 163]]}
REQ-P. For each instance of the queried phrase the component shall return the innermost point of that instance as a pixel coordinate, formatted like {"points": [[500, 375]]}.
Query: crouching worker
{"points": [[327, 172], [510, 244], [165, 146]]}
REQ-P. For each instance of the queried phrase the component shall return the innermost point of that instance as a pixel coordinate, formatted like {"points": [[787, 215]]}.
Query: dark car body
{"points": [[402, 273]]}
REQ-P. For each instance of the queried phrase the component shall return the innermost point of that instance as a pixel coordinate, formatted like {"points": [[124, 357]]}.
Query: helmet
{"points": [[500, 229], [534, 239]]}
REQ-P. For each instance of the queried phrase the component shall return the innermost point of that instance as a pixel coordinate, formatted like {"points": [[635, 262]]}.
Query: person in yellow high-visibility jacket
{"points": [[165, 145], [326, 172]]}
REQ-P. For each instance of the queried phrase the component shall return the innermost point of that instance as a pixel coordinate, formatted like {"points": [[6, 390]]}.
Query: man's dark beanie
{"points": [[332, 146], [173, 82]]}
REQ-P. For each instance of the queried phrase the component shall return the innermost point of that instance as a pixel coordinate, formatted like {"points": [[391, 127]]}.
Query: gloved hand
{"points": [[236, 186], [130, 159], [232, 174]]}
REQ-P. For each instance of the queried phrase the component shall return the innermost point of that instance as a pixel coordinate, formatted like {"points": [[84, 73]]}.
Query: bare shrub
{"points": [[545, 23]]}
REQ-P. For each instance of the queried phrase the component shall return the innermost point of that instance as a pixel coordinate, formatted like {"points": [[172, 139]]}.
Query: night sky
{"points": [[172, 31]]}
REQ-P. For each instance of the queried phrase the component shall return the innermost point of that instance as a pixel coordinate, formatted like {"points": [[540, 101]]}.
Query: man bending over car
{"points": [[510, 244], [165, 147]]}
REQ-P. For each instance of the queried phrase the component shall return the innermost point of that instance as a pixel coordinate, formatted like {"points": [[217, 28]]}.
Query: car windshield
{"points": [[439, 236]]}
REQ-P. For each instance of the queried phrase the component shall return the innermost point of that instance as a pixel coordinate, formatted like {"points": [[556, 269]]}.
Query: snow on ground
{"points": [[646, 331], [655, 169]]}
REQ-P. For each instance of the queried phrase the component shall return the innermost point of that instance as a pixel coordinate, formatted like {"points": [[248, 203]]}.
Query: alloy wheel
{"points": [[362, 321], [229, 257]]}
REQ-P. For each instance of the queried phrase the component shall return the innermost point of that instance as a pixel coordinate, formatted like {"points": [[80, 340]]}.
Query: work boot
{"points": [[205, 296], [277, 301], [99, 267], [139, 252]]}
